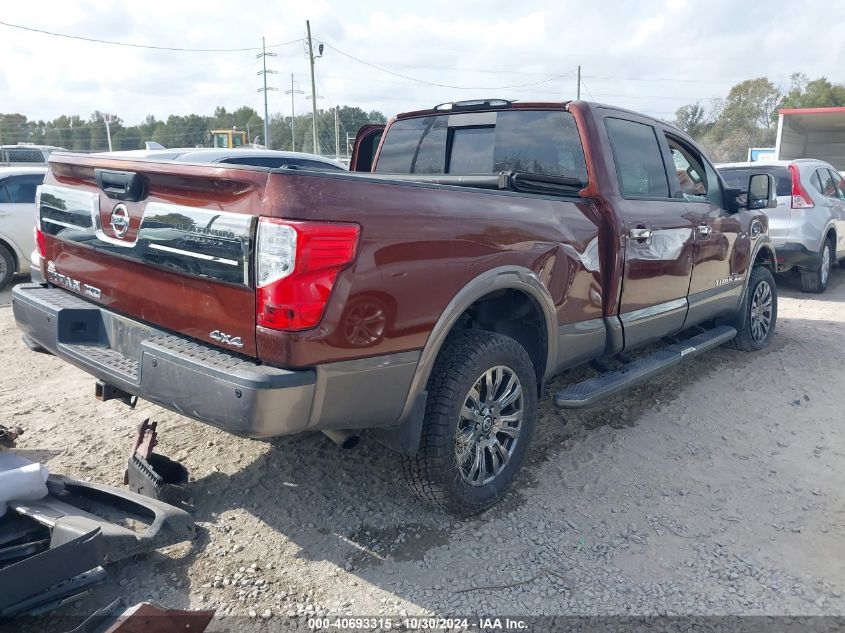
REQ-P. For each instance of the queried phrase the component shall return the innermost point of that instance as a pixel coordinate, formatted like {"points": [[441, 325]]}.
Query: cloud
{"points": [[646, 28], [652, 56]]}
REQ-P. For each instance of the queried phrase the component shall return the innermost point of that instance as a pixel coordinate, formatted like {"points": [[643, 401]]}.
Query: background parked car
{"points": [[17, 218], [808, 225], [26, 153]]}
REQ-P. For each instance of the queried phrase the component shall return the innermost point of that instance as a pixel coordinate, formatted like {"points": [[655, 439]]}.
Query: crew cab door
{"points": [[722, 250], [657, 236], [364, 151]]}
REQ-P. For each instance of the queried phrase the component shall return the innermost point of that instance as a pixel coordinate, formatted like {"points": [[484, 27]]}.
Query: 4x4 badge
{"points": [[227, 339], [120, 220]]}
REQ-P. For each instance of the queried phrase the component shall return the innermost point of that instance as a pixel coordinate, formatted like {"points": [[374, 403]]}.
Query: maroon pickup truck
{"points": [[488, 246]]}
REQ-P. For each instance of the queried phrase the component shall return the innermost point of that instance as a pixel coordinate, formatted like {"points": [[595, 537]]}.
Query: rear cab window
{"points": [[481, 143], [737, 177]]}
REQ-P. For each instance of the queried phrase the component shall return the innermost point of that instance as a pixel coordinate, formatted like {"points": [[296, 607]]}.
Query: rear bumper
{"points": [[792, 255], [195, 379]]}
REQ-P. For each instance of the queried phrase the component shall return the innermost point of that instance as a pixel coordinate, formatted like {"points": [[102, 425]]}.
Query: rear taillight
{"points": [[296, 267], [39, 242], [800, 198], [39, 234]]}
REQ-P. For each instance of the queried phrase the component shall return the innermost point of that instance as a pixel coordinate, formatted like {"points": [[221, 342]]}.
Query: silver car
{"points": [[17, 218], [808, 226]]}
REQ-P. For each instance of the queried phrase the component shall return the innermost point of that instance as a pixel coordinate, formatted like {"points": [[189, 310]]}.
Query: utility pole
{"points": [[336, 135], [313, 89], [292, 92], [578, 91], [264, 55], [107, 118]]}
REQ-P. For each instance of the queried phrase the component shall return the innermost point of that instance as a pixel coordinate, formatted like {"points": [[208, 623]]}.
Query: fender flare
{"points": [[503, 277], [763, 242]]}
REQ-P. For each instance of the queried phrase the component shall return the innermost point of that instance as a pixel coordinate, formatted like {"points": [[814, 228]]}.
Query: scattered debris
{"points": [[151, 474], [8, 435]]}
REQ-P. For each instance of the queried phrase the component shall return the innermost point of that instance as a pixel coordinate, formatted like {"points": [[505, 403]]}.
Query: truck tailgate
{"points": [[166, 243]]}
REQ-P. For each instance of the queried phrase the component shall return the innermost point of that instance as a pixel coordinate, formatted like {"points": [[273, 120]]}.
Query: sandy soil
{"points": [[716, 489]]}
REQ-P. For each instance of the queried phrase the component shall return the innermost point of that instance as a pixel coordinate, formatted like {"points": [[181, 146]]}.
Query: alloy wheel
{"points": [[761, 311], [489, 425]]}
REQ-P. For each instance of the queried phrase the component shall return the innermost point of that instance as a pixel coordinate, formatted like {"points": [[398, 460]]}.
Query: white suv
{"points": [[17, 218], [808, 226]]}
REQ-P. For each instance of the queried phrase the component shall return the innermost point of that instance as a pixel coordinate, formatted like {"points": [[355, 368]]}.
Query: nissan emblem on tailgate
{"points": [[120, 220]]}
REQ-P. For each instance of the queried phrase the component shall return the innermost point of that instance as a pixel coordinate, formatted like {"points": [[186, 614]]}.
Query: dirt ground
{"points": [[716, 489]]}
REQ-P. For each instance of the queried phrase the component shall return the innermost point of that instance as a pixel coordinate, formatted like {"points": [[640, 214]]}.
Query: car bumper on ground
{"points": [[792, 255], [181, 374]]}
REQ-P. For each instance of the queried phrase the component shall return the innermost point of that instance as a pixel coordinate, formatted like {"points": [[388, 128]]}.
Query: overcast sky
{"points": [[648, 55]]}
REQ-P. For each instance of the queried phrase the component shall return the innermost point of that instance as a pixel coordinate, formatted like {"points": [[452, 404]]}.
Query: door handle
{"points": [[640, 233], [705, 230]]}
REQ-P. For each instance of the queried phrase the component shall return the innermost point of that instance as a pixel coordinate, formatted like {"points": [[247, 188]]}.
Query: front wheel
{"points": [[757, 317], [479, 422]]}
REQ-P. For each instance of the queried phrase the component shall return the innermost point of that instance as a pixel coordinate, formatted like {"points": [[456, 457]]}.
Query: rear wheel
{"points": [[817, 280], [757, 317], [479, 422], [7, 267]]}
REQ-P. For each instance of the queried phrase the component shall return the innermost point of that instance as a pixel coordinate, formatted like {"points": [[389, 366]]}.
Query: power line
{"points": [[438, 85], [146, 46]]}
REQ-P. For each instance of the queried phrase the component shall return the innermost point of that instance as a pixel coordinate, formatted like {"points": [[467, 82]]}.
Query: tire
{"points": [[7, 267], [748, 337], [817, 280], [436, 474]]}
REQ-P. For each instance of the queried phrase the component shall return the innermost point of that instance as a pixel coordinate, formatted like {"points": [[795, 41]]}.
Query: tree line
{"points": [[89, 134], [748, 116], [726, 127]]}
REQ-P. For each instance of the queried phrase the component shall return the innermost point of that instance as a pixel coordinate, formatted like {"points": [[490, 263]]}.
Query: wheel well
{"points": [[515, 314], [765, 257], [831, 235], [12, 253]]}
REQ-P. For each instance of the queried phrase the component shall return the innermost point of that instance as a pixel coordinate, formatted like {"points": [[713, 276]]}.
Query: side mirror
{"points": [[762, 192]]}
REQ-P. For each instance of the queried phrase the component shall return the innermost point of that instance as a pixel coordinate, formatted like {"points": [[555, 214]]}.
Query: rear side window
{"points": [[737, 177], [540, 142], [639, 163], [21, 189], [839, 183], [827, 187]]}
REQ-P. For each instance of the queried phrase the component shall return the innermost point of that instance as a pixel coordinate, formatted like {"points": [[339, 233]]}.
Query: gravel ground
{"points": [[713, 490]]}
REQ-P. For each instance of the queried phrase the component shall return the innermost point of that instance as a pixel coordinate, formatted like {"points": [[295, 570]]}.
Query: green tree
{"points": [[818, 93], [692, 119]]}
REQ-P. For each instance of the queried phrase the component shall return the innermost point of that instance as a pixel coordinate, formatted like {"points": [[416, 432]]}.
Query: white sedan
{"points": [[17, 218]]}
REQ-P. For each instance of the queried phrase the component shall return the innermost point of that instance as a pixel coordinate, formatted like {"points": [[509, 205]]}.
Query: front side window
{"points": [[697, 178], [639, 163]]}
